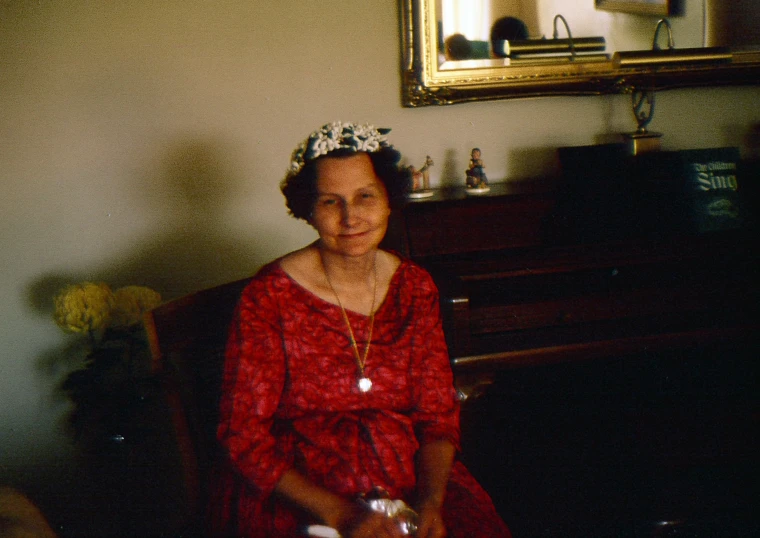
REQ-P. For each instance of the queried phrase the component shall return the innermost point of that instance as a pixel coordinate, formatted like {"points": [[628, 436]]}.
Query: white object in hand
{"points": [[322, 531]]}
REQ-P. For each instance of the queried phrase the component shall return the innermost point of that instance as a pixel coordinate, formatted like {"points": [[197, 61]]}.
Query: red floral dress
{"points": [[291, 400]]}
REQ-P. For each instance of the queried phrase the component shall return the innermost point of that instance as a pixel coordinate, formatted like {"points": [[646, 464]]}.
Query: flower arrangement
{"points": [[108, 386], [92, 308]]}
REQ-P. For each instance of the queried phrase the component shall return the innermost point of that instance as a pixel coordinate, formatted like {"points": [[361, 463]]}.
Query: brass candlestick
{"points": [[642, 140]]}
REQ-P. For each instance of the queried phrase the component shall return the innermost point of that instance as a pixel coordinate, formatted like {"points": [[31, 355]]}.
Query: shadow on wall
{"points": [[187, 247], [190, 247], [451, 175], [522, 162]]}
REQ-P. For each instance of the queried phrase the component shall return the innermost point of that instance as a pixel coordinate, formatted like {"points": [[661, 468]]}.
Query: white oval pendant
{"points": [[365, 384]]}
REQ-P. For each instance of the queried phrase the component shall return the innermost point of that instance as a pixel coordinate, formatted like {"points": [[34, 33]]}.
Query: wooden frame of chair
{"points": [[187, 338]]}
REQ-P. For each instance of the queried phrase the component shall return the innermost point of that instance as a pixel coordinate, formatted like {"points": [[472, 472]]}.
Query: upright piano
{"points": [[607, 365]]}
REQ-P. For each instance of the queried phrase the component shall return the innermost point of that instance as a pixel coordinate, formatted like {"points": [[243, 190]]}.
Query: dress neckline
{"points": [[391, 287]]}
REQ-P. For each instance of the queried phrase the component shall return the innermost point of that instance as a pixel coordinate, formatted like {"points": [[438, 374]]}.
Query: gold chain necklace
{"points": [[364, 382]]}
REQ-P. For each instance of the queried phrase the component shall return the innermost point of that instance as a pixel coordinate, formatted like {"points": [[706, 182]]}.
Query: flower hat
{"points": [[338, 135]]}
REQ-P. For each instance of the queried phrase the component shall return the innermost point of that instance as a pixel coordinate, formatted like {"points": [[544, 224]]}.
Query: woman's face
{"points": [[351, 210], [475, 154]]}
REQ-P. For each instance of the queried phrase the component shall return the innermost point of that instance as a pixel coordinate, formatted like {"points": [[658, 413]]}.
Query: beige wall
{"points": [[525, 11], [143, 142]]}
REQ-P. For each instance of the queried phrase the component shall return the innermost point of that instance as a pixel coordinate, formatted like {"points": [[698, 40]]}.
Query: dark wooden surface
{"points": [[612, 371], [617, 446], [511, 283]]}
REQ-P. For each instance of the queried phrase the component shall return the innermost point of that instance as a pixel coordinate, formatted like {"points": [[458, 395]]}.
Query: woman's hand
{"points": [[430, 522], [433, 466], [358, 522], [348, 517]]}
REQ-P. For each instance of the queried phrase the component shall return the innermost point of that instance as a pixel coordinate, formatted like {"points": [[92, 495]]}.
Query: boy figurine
{"points": [[476, 176]]}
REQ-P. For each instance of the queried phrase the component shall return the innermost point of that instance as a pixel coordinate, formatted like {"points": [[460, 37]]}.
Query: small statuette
{"points": [[365, 384], [420, 187], [476, 174]]}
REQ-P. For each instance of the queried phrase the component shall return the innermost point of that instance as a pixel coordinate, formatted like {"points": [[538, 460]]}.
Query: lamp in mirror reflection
{"points": [[671, 55], [569, 47]]}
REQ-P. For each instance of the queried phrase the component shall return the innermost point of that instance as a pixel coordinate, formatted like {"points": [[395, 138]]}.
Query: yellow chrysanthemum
{"points": [[84, 308], [131, 303]]}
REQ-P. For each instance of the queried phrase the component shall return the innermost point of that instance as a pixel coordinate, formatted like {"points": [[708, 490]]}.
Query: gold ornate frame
{"points": [[426, 83], [639, 7]]}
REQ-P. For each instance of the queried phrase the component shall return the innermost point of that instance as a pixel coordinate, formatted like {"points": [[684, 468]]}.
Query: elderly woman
{"points": [[337, 380]]}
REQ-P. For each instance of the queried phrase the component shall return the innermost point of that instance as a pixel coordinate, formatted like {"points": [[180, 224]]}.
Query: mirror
{"points": [[575, 47]]}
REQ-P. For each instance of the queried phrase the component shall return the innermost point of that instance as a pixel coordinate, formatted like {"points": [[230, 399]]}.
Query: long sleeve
{"points": [[436, 412], [253, 381]]}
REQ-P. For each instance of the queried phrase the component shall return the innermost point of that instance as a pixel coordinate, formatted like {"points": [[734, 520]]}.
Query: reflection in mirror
{"points": [[569, 47], [475, 23], [658, 55], [640, 7]]}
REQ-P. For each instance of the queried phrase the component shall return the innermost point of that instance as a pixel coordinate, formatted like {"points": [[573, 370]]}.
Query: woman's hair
{"points": [[300, 184]]}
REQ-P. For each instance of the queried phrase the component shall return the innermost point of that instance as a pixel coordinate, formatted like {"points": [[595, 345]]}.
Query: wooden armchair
{"points": [[187, 339]]}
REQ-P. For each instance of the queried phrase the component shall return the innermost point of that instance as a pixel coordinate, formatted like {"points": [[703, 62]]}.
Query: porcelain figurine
{"points": [[477, 182], [421, 180]]}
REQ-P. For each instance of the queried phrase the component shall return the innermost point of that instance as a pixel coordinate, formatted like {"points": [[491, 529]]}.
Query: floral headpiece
{"points": [[338, 135]]}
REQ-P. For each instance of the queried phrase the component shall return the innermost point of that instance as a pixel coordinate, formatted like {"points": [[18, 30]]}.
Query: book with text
{"points": [[712, 188]]}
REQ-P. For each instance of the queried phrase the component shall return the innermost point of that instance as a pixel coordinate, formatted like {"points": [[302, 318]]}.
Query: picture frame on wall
{"points": [[637, 7]]}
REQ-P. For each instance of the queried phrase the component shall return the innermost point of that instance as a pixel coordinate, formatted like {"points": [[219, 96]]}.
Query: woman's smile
{"points": [[352, 210]]}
